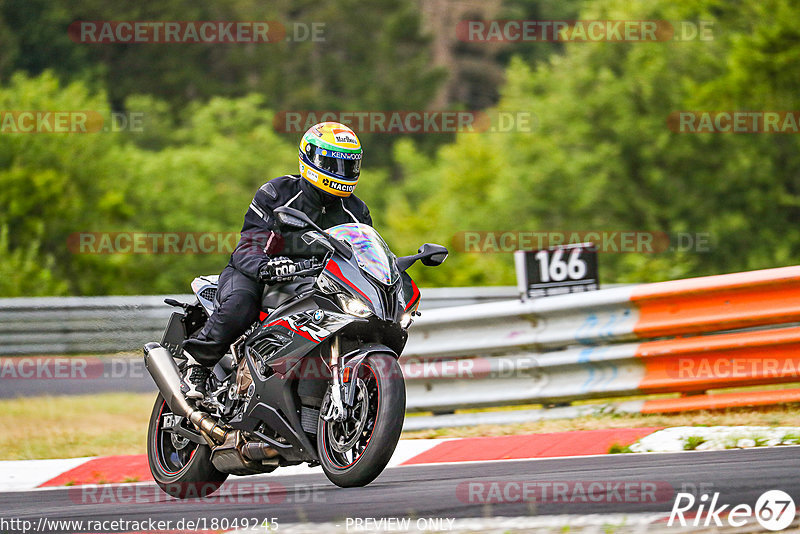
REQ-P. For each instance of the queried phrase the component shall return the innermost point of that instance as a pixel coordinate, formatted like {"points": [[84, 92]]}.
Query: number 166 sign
{"points": [[558, 270]]}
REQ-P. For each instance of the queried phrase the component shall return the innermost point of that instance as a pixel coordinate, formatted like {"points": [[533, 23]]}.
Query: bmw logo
{"points": [[319, 315]]}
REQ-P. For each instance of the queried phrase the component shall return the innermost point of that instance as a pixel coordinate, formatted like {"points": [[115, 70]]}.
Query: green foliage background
{"points": [[600, 156]]}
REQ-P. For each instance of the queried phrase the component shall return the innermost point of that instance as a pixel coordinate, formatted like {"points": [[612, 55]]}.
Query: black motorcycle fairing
{"points": [[297, 330], [353, 360], [382, 299], [273, 404], [374, 330], [275, 295], [298, 333], [295, 333], [284, 423]]}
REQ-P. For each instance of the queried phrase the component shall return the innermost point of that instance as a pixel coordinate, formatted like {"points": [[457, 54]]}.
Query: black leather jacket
{"points": [[261, 228]]}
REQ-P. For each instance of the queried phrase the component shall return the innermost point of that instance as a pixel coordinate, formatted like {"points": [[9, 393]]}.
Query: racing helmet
{"points": [[330, 158]]}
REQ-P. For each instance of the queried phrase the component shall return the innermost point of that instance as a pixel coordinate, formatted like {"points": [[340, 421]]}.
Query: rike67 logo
{"points": [[774, 510]]}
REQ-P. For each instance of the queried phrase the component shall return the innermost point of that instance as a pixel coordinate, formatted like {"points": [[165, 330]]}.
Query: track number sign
{"points": [[558, 270]]}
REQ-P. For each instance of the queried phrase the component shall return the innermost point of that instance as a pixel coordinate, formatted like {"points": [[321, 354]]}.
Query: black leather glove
{"points": [[279, 269]]}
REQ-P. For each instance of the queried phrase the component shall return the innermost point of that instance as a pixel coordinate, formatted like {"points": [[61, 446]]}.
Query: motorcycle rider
{"points": [[330, 164]]}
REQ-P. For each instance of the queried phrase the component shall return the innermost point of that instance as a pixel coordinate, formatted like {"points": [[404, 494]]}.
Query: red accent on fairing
{"points": [[333, 268], [285, 324], [262, 315], [414, 296]]}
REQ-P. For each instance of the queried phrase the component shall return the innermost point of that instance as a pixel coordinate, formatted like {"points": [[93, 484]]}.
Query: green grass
{"points": [[618, 448], [791, 438], [71, 427], [692, 442]]}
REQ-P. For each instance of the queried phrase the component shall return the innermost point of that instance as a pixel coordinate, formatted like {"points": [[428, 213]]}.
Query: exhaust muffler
{"points": [[161, 366]]}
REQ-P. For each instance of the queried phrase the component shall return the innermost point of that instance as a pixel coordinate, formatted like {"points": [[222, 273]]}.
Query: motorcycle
{"points": [[315, 381]]}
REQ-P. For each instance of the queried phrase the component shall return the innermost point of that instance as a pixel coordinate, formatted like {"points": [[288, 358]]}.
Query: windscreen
{"points": [[371, 251]]}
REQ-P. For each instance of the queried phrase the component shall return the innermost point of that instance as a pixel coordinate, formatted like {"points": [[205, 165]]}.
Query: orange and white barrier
{"points": [[683, 336]]}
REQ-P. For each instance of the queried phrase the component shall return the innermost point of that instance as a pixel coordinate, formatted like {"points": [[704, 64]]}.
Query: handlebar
{"points": [[308, 267]]}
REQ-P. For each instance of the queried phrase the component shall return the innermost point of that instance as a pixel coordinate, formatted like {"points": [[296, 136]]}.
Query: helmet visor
{"points": [[346, 167]]}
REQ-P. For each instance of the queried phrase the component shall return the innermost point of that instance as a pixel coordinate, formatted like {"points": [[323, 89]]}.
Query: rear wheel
{"points": [[181, 467], [355, 451]]}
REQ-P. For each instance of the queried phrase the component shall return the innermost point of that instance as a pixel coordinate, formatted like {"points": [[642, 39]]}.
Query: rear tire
{"points": [[385, 399], [183, 471]]}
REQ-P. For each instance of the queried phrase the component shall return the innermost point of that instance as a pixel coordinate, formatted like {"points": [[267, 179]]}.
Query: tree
{"points": [[603, 157]]}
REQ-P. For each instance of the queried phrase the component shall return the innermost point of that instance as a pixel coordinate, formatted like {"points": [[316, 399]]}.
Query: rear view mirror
{"points": [[313, 236], [288, 220], [435, 260], [429, 254], [291, 217], [432, 255], [298, 219]]}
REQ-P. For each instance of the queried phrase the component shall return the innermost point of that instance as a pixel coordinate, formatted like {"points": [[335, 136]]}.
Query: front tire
{"points": [[180, 467], [354, 452]]}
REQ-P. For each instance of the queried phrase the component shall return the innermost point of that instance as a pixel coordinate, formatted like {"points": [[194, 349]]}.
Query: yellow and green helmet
{"points": [[330, 158]]}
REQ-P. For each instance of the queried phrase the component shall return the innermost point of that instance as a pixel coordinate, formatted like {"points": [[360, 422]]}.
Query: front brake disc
{"points": [[348, 439]]}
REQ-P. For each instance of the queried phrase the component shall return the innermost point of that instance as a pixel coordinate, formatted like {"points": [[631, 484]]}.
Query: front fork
{"points": [[336, 411]]}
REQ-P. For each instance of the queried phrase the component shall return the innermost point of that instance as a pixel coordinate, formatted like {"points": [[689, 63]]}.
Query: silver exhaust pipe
{"points": [[161, 366]]}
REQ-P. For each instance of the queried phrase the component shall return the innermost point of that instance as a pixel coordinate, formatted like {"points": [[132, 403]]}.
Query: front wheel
{"points": [[355, 451], [179, 466]]}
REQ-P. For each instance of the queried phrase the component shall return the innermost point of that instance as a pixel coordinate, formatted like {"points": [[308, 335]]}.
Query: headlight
{"points": [[353, 306], [406, 321]]}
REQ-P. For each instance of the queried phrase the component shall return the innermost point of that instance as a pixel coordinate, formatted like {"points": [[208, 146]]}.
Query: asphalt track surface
{"points": [[740, 476]]}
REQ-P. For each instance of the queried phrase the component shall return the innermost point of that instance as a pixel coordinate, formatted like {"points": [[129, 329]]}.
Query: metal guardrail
{"points": [[64, 325], [684, 336]]}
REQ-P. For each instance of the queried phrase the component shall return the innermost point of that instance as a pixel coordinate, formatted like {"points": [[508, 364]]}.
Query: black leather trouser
{"points": [[238, 302]]}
